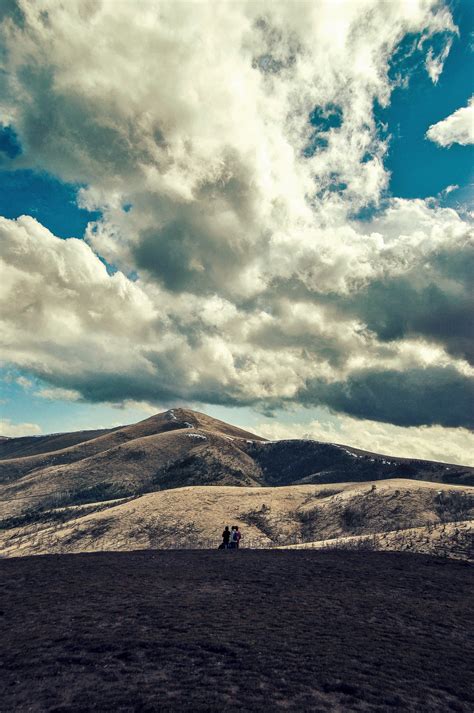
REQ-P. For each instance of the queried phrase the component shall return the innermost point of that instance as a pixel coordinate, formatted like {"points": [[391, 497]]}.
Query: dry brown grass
{"points": [[194, 517]]}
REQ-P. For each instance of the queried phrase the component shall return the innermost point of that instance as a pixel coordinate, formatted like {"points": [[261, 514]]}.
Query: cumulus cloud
{"points": [[458, 128], [227, 147], [422, 283], [60, 309], [15, 430], [144, 406]]}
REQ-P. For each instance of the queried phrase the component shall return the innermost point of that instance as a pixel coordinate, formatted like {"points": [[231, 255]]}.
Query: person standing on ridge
{"points": [[226, 538], [237, 537]]}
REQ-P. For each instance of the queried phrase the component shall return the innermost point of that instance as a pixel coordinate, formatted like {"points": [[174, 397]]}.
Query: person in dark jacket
{"points": [[226, 537]]}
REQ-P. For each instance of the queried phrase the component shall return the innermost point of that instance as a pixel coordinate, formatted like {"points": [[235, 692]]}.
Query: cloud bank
{"points": [[229, 148], [425, 442], [14, 430]]}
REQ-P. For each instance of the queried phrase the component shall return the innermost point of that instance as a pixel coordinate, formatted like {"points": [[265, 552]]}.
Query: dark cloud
{"points": [[100, 387], [416, 397], [186, 257], [436, 302], [168, 386], [413, 397], [293, 333], [205, 247]]}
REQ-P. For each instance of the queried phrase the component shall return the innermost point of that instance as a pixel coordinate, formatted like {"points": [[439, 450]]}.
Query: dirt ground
{"points": [[236, 631]]}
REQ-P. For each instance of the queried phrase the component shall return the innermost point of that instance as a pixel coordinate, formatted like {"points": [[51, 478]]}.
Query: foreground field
{"points": [[236, 631]]}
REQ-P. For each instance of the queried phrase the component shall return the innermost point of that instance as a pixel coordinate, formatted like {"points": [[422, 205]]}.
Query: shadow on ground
{"points": [[246, 631]]}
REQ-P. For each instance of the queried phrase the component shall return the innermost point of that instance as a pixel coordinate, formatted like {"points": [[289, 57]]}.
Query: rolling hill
{"points": [[144, 484], [193, 517]]}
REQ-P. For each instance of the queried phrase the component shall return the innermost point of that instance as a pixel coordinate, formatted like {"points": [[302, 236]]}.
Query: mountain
{"points": [[109, 488], [175, 448], [19, 456], [179, 448]]}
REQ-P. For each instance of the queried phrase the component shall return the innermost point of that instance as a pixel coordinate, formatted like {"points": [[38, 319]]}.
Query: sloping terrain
{"points": [[304, 461], [144, 485], [444, 539], [23, 446], [175, 448], [247, 631], [194, 517], [167, 460], [180, 448], [85, 445]]}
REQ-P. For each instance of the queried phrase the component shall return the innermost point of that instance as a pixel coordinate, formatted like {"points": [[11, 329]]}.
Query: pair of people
{"points": [[231, 538]]}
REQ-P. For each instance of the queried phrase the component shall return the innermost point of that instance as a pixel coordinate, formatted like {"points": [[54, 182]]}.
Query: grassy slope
{"points": [[26, 446], [195, 516]]}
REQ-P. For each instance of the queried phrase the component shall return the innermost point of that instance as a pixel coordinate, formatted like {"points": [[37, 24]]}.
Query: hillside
{"points": [[179, 448], [23, 446], [144, 484], [193, 517], [21, 456]]}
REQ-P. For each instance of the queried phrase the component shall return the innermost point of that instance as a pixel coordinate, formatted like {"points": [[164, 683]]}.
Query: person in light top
{"points": [[235, 538]]}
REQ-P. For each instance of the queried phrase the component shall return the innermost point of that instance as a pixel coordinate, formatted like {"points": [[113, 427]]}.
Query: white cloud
{"points": [[449, 445], [435, 63], [60, 309], [458, 128], [58, 394], [24, 382], [449, 189], [144, 406], [200, 119], [14, 430], [110, 339], [253, 281]]}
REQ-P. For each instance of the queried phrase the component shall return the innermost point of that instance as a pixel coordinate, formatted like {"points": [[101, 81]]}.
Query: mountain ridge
{"points": [[179, 448], [175, 477]]}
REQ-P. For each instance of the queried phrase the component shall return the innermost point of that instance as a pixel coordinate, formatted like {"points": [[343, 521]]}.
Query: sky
{"points": [[261, 210]]}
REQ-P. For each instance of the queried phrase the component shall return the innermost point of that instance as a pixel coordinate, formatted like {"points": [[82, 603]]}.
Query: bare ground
{"points": [[236, 631]]}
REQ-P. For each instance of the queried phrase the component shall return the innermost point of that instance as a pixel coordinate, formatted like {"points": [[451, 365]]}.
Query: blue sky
{"points": [[49, 200], [419, 167], [32, 183]]}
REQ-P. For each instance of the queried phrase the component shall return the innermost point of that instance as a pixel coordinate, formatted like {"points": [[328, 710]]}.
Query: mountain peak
{"points": [[179, 418]]}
